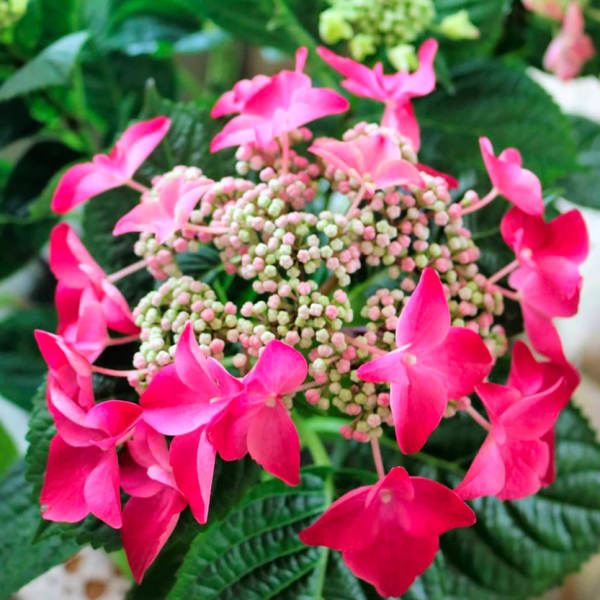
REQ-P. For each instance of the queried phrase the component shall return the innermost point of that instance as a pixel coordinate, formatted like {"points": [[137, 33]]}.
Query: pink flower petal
{"points": [[116, 418], [139, 141], [101, 490], [526, 463]]}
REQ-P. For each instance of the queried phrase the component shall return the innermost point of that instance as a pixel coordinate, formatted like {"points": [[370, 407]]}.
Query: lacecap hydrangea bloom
{"points": [[302, 219]]}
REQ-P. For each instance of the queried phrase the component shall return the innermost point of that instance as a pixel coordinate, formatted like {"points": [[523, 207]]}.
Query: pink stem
{"points": [[123, 340], [307, 386], [477, 418], [509, 268], [206, 229], [485, 200], [117, 373], [138, 187], [516, 296], [362, 346], [136, 266], [285, 153], [357, 200], [377, 457]]}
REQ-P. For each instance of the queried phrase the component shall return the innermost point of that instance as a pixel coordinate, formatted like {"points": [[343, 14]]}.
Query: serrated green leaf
{"points": [[580, 186], [52, 67], [255, 553], [503, 103], [22, 560]]}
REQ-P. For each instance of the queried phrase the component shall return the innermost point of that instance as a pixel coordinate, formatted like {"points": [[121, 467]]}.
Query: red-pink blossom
{"points": [[375, 161], [257, 422], [388, 533], [82, 475], [168, 213], [433, 363], [105, 172], [288, 101], [571, 48], [516, 184], [86, 301], [548, 8], [235, 100], [548, 278], [514, 460], [395, 91], [151, 514]]}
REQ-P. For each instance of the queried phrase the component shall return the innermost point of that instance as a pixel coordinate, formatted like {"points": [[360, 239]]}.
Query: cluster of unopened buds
{"points": [[422, 345], [571, 48]]}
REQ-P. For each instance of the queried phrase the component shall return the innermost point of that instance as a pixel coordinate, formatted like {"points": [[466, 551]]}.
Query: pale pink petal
{"points": [[392, 173], [193, 460], [387, 368], [146, 216], [422, 81], [401, 117], [274, 444], [62, 497], [239, 131], [343, 155], [139, 141], [147, 525]]}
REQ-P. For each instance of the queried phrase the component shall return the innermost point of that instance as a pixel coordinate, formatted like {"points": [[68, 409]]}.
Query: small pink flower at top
{"points": [[548, 8], [395, 91], [105, 172], [82, 475], [152, 512], [514, 461], [433, 363], [235, 100], [571, 48], [375, 161], [168, 213], [389, 532], [288, 101], [516, 184], [257, 422], [81, 282], [548, 278]]}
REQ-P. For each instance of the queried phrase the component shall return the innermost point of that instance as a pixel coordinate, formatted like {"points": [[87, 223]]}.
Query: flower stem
{"points": [[206, 229], [136, 266], [123, 340], [117, 373], [285, 153], [516, 296], [483, 202], [377, 457], [509, 268], [477, 418], [307, 386], [363, 346], [138, 187], [357, 200]]}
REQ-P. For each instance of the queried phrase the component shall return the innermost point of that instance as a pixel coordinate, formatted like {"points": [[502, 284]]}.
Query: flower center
{"points": [[386, 496], [271, 402], [409, 359]]}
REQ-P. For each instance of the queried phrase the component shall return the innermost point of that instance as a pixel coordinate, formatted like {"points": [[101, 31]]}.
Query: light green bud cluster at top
{"points": [[11, 12]]}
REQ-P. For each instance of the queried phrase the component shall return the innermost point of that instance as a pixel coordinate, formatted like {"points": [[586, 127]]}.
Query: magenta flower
{"points": [[105, 172], [549, 8], [375, 161], [548, 279], [516, 184], [81, 284], [235, 100], [571, 48], [257, 421], [514, 461], [284, 104], [389, 532], [166, 214], [82, 475], [433, 363], [150, 516], [187, 394], [395, 91]]}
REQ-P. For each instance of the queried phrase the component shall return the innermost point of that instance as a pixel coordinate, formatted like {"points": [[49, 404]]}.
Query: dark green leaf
{"points": [[21, 559], [500, 102], [8, 450], [16, 122], [255, 553], [580, 186], [52, 67]]}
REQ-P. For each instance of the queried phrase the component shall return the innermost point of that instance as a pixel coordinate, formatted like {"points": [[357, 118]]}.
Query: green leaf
{"points": [[580, 186], [16, 122], [188, 140], [255, 553], [501, 102], [22, 368], [21, 559], [52, 67], [8, 450]]}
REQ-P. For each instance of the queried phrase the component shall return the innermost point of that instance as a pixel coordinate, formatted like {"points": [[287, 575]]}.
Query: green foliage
{"points": [[21, 559], [255, 553], [580, 186], [501, 102], [8, 450], [52, 67]]}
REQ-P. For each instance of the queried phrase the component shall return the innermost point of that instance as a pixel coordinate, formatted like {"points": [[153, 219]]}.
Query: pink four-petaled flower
{"points": [[105, 172], [235, 100], [388, 533], [433, 363]]}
